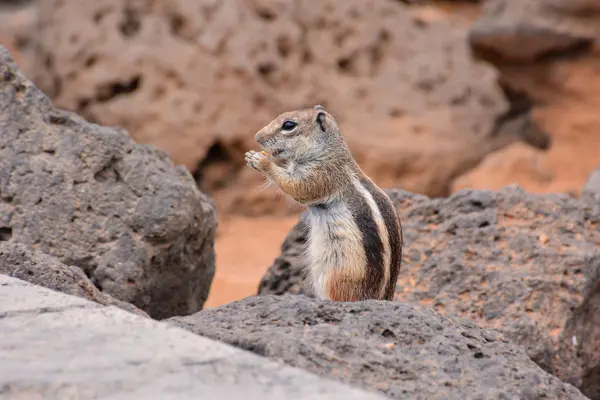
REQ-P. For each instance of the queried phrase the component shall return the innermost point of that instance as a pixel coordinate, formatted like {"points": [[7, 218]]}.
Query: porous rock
{"points": [[402, 350], [199, 79], [91, 197], [526, 30], [21, 262], [547, 55], [18, 19], [527, 265]]}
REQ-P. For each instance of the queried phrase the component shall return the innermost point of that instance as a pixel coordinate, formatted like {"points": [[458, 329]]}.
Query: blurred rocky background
{"points": [[123, 127], [433, 96]]}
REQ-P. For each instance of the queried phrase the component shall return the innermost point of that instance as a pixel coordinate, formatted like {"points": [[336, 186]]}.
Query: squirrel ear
{"points": [[321, 120], [319, 107]]}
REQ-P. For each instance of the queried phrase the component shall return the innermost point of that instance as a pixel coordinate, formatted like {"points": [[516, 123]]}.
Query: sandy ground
{"points": [[245, 247]]}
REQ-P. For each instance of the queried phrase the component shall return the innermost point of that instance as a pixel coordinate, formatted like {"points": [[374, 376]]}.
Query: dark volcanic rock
{"points": [[528, 265], [35, 267], [404, 351], [91, 197]]}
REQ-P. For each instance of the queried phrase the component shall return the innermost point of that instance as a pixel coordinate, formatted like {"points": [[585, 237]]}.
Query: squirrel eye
{"points": [[288, 125]]}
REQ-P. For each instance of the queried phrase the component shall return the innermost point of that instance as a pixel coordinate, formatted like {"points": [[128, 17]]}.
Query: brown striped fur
{"points": [[355, 237], [343, 286]]}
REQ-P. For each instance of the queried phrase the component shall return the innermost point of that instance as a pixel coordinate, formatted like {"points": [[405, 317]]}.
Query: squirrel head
{"points": [[302, 135]]}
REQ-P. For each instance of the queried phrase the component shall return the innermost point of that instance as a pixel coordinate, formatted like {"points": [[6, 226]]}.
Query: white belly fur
{"points": [[334, 242]]}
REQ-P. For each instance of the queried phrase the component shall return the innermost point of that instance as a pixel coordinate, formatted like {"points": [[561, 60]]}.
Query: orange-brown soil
{"points": [[245, 247]]}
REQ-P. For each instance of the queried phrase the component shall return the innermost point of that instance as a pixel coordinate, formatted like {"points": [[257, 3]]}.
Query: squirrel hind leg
{"points": [[344, 288]]}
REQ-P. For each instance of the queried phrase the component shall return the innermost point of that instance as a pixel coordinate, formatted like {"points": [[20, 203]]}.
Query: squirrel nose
{"points": [[260, 137]]}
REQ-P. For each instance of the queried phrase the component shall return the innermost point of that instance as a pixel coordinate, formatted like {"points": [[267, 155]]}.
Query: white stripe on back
{"points": [[383, 233]]}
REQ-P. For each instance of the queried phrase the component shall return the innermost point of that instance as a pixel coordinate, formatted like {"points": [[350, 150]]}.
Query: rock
{"points": [[12, 3], [525, 30], [546, 52], [591, 190], [527, 265], [287, 274], [56, 346], [18, 261], [198, 79], [402, 350], [18, 21], [516, 163], [91, 197]]}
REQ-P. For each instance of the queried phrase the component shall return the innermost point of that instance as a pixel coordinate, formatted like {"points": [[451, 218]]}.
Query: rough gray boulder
{"points": [[60, 347], [18, 261], [528, 265], [402, 350], [90, 196]]}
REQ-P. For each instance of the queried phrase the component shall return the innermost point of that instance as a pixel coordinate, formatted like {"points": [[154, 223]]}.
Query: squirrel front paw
{"points": [[258, 161]]}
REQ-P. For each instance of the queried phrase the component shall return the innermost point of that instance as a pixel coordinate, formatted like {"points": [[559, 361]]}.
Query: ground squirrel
{"points": [[355, 235]]}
